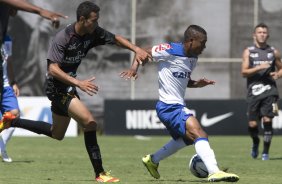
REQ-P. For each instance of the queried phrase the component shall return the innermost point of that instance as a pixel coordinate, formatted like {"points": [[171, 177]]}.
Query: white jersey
{"points": [[6, 51], [174, 71]]}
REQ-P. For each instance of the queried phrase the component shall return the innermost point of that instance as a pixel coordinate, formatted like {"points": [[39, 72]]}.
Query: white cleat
{"points": [[5, 157]]}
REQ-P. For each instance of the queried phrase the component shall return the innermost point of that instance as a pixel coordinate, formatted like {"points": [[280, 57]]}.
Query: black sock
{"points": [[253, 131], [267, 136], [39, 127], [93, 150]]}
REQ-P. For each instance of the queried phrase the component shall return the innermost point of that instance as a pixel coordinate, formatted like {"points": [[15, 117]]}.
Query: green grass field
{"points": [[42, 160]]}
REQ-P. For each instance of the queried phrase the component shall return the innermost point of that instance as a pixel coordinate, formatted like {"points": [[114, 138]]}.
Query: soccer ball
{"points": [[197, 167]]}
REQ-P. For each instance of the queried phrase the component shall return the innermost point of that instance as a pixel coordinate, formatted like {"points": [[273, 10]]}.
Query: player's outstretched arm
{"points": [[140, 54], [28, 7], [132, 72], [200, 83]]}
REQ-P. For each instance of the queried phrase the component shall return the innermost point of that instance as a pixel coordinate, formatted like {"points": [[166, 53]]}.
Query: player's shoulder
{"points": [[272, 48], [175, 49], [63, 36], [251, 48], [161, 47]]}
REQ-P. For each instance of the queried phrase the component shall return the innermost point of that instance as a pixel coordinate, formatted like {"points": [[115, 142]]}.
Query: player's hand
{"points": [[128, 74], [204, 82], [275, 75], [142, 57], [88, 86], [53, 16]]}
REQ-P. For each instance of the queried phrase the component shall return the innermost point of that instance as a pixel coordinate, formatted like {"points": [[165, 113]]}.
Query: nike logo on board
{"points": [[206, 122]]}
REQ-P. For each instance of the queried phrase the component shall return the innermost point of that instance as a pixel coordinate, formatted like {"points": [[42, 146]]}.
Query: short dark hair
{"points": [[193, 32], [85, 8], [262, 25]]}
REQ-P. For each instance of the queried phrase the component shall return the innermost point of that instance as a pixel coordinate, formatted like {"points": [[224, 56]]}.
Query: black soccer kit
{"points": [[262, 89], [67, 49]]}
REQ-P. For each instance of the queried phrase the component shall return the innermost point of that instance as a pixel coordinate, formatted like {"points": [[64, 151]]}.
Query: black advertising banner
{"points": [[217, 117]]}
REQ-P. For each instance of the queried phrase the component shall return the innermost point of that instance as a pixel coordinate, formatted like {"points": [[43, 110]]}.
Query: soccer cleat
{"points": [[5, 157], [152, 167], [255, 150], [265, 156], [105, 177], [223, 176], [6, 121]]}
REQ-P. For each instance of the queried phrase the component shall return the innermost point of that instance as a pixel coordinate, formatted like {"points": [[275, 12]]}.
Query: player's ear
{"points": [[82, 19]]}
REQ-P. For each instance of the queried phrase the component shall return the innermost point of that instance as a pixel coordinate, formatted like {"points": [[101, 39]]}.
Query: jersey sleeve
{"points": [[102, 37], [57, 48], [159, 52]]}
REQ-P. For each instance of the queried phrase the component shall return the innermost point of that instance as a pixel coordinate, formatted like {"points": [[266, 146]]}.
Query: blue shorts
{"points": [[174, 117], [9, 101]]}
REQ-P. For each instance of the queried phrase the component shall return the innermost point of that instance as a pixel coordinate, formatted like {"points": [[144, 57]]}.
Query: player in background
{"points": [[259, 65], [176, 61], [10, 93], [67, 49]]}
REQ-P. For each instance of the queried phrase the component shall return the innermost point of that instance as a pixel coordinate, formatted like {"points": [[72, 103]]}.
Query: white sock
{"points": [[168, 149], [204, 150], [7, 134], [2, 145]]}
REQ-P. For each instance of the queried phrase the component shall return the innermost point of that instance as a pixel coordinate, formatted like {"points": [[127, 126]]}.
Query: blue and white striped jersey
{"points": [[174, 71]]}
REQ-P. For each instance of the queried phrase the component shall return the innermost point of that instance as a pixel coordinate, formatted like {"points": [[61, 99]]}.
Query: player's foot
{"points": [[265, 156], [105, 177], [255, 150], [6, 121], [5, 157], [151, 166], [223, 176]]}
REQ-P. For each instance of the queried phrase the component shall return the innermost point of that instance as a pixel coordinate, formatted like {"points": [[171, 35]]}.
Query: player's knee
{"points": [[90, 125], [267, 120], [58, 137], [195, 133], [253, 124]]}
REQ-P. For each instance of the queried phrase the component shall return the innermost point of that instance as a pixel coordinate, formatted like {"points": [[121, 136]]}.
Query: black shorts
{"points": [[262, 107], [60, 101]]}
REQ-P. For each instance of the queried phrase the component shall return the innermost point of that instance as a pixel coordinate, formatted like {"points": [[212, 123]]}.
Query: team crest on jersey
{"points": [[254, 55], [73, 46], [270, 55], [162, 47], [86, 43]]}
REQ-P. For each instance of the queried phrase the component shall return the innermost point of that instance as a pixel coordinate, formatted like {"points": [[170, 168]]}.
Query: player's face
{"points": [[196, 46], [261, 35], [200, 45], [91, 23]]}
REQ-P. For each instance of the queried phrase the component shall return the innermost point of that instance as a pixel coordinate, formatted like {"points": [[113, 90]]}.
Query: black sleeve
{"points": [[102, 37], [57, 48]]}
